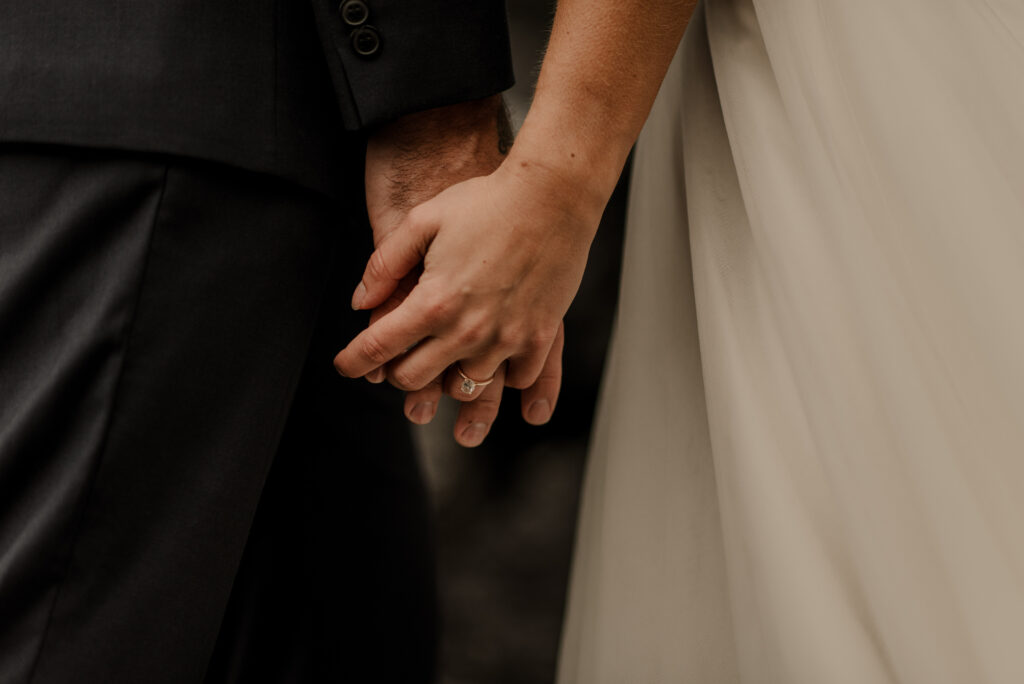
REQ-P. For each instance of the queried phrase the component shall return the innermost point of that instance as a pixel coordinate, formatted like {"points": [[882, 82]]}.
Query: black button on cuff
{"points": [[354, 12], [366, 41]]}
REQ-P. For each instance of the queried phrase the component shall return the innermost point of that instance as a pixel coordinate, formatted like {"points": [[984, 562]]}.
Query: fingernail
{"points": [[422, 413], [340, 372], [539, 412], [359, 297], [474, 434], [376, 376]]}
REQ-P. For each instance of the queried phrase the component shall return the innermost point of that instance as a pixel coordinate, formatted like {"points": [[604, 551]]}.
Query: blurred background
{"points": [[506, 510]]}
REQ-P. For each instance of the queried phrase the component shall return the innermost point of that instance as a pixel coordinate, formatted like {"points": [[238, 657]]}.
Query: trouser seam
{"points": [[282, 420], [129, 330]]}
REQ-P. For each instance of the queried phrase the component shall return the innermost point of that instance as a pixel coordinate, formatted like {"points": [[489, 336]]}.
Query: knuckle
{"points": [[377, 267], [543, 336], [415, 218], [512, 338], [548, 377], [521, 378], [406, 379], [477, 334], [519, 382], [487, 406], [439, 307], [470, 336], [373, 349]]}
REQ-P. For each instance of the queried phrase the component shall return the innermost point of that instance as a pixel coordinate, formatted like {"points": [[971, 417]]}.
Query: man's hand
{"points": [[411, 160], [407, 163]]}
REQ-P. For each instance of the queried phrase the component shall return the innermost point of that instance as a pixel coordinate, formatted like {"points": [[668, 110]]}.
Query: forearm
{"points": [[604, 64]]}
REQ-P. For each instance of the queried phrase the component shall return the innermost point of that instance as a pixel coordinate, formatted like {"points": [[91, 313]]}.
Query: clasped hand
{"points": [[499, 259]]}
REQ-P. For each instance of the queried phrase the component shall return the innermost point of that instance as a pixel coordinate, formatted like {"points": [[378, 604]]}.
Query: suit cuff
{"points": [[394, 57]]}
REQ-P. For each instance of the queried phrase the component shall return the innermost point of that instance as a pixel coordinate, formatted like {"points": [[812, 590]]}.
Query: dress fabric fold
{"points": [[808, 462]]}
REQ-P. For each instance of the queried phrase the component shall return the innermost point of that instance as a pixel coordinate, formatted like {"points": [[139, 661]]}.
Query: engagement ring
{"points": [[469, 385]]}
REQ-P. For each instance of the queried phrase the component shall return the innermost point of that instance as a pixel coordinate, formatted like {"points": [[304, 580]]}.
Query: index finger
{"points": [[384, 339]]}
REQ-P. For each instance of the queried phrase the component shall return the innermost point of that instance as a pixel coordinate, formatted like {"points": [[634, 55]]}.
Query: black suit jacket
{"points": [[278, 86]]}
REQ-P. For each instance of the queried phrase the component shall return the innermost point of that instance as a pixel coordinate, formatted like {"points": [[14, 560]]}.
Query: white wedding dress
{"points": [[808, 466]]}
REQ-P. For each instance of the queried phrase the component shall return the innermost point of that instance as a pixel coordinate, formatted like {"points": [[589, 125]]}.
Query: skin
{"points": [[498, 258], [409, 162]]}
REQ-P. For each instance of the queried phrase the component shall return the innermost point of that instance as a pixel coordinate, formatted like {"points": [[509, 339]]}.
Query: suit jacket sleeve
{"points": [[422, 54]]}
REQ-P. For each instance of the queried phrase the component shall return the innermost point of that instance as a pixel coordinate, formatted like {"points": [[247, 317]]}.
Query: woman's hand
{"points": [[476, 417], [502, 256], [409, 161]]}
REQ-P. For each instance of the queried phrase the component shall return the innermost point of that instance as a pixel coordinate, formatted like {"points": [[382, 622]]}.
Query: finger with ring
{"points": [[468, 385]]}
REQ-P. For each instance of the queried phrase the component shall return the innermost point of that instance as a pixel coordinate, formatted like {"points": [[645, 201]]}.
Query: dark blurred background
{"points": [[506, 510]]}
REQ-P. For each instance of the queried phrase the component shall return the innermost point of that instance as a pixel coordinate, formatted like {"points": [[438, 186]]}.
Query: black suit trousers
{"points": [[188, 491]]}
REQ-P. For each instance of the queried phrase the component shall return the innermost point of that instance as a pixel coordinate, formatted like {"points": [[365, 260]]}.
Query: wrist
{"points": [[559, 190], [415, 157], [585, 161], [464, 129], [582, 177]]}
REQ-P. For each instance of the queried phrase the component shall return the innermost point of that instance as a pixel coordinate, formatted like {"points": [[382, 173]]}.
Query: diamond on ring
{"points": [[469, 385]]}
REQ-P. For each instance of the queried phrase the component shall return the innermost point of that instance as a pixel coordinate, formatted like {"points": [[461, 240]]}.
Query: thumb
{"points": [[396, 255]]}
